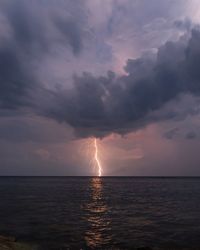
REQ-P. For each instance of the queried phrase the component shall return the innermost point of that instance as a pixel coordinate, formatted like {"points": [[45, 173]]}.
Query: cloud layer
{"points": [[97, 106], [93, 106], [28, 32], [134, 80]]}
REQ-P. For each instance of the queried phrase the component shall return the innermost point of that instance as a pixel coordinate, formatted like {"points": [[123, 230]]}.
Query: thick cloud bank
{"points": [[97, 106], [29, 31], [94, 106]]}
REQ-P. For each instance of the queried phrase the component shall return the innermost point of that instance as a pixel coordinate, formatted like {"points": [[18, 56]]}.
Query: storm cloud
{"points": [[97, 106], [75, 69], [29, 32], [93, 106]]}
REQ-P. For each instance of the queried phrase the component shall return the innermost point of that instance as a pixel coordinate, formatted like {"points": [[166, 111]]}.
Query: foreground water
{"points": [[83, 212]]}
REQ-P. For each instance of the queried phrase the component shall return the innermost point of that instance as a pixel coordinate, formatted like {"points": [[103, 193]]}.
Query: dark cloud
{"points": [[185, 24], [94, 106], [171, 133], [191, 135], [37, 27], [30, 32], [71, 33], [14, 79], [97, 106]]}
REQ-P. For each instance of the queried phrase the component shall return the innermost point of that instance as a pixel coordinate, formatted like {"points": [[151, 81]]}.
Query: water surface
{"points": [[100, 213]]}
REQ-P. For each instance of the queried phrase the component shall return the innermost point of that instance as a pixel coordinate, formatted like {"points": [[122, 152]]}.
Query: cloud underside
{"points": [[93, 106], [97, 106]]}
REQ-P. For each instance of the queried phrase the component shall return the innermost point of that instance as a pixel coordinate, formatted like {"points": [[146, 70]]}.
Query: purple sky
{"points": [[124, 71]]}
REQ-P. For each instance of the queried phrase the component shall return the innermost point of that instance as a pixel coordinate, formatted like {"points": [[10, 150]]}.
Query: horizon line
{"points": [[106, 176]]}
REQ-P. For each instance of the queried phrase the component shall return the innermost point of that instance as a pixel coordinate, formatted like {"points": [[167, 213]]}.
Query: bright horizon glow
{"points": [[97, 158]]}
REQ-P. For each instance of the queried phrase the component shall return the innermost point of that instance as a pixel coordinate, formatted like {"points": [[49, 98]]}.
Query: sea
{"points": [[102, 212]]}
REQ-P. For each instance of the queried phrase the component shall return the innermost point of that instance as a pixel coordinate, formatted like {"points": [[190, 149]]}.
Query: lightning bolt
{"points": [[96, 157]]}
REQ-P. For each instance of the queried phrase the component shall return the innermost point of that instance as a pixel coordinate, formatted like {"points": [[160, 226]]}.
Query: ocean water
{"points": [[101, 213]]}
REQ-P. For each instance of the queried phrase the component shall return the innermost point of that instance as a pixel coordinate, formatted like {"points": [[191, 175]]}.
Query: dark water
{"points": [[65, 212]]}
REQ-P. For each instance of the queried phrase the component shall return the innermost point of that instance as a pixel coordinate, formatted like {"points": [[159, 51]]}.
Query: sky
{"points": [[126, 72]]}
